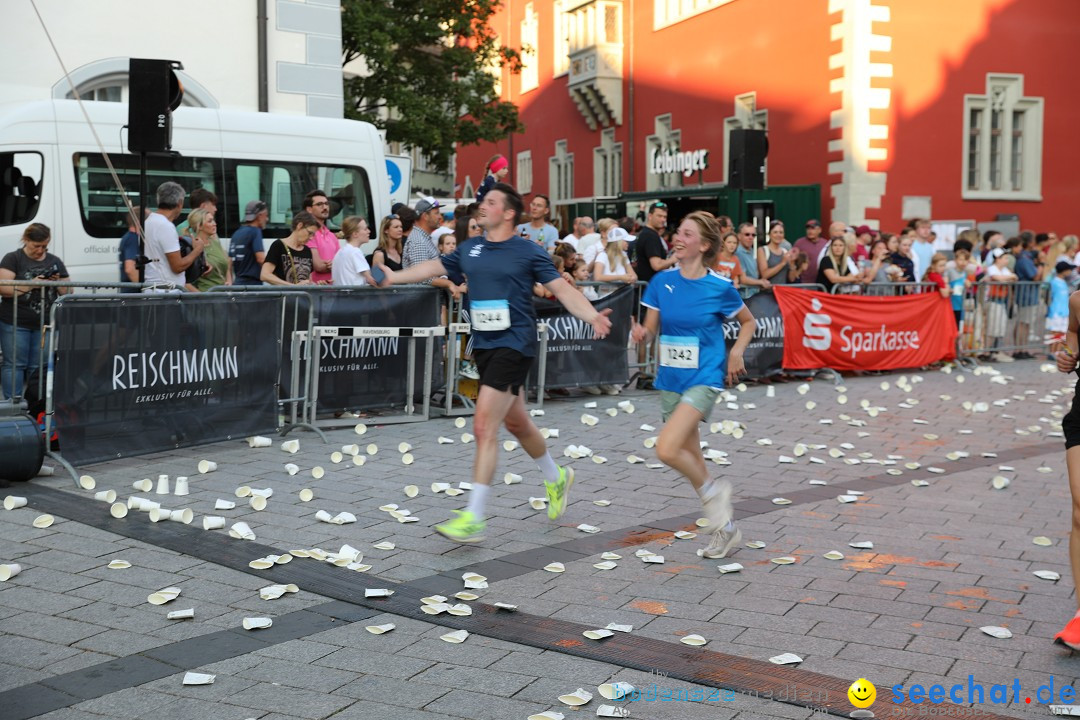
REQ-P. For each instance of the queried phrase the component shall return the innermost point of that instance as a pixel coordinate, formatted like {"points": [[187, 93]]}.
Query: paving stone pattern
{"points": [[948, 559]]}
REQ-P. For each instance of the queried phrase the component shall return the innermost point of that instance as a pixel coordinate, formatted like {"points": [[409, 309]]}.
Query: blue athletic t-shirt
{"points": [[243, 245], [501, 277], [692, 312]]}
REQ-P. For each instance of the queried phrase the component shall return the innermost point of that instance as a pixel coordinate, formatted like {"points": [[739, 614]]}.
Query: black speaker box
{"points": [[154, 91], [747, 150]]}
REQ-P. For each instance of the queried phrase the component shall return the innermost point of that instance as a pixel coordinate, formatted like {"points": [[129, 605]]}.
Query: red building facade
{"points": [[895, 108]]}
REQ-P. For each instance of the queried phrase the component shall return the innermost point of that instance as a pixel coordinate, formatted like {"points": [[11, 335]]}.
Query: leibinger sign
{"points": [[665, 161]]}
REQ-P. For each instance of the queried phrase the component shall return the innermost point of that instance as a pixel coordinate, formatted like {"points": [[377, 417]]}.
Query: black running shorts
{"points": [[502, 368]]}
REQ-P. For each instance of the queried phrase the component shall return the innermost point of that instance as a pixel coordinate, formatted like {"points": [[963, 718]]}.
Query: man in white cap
{"points": [[419, 246]]}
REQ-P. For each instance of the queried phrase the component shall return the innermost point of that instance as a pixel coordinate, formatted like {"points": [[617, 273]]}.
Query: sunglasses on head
{"points": [[392, 216]]}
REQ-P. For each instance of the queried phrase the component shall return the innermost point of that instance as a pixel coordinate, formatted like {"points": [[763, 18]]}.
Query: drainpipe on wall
{"points": [[264, 100], [630, 99]]}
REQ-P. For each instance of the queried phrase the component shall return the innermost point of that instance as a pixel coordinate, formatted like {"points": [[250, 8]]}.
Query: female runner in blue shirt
{"points": [[688, 305]]}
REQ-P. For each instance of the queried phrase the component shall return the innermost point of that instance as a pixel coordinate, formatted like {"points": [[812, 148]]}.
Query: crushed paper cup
{"points": [[555, 567], [581, 696], [862, 545], [343, 518], [654, 558], [433, 600], [257, 623], [454, 492], [506, 606], [194, 678], [458, 636], [547, 715], [684, 535], [43, 521], [834, 555], [377, 592], [181, 614], [473, 577], [1040, 540], [615, 691], [9, 570], [846, 498], [780, 501], [695, 640], [118, 510], [12, 502], [785, 560], [119, 565], [611, 412], [702, 522], [438, 487], [535, 412], [241, 531], [443, 440], [384, 545], [785, 659], [292, 468], [612, 710], [1047, 575], [605, 565], [460, 610], [538, 503], [588, 528], [920, 483], [818, 482], [730, 568], [590, 420], [601, 503], [258, 441], [598, 634], [291, 446], [144, 485], [611, 556], [87, 483], [380, 629], [163, 596], [468, 596], [997, 631]]}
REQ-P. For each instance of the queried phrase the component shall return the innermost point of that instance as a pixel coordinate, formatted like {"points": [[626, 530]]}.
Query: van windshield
{"points": [[281, 185], [20, 186]]}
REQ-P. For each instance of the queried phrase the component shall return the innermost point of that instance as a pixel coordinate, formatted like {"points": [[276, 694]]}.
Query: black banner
{"points": [[764, 355], [140, 375], [574, 357], [362, 373]]}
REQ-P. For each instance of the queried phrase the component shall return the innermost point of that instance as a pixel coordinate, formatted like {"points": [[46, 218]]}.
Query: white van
{"points": [[52, 172]]}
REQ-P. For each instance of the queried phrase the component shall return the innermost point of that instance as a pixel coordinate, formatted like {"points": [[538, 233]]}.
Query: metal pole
{"points": [[410, 383]]}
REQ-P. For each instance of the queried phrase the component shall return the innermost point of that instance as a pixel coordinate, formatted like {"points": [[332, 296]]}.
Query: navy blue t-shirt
{"points": [[501, 277], [243, 245], [129, 250]]}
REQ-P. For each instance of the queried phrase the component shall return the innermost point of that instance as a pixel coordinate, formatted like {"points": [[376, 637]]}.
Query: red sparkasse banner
{"points": [[862, 332]]}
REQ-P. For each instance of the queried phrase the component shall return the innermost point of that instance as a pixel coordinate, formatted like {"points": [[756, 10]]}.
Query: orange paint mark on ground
{"points": [[811, 513], [1013, 612], [808, 600], [916, 624], [678, 568], [893, 583], [980, 593], [944, 537], [962, 605], [659, 536], [651, 607], [870, 561], [569, 643]]}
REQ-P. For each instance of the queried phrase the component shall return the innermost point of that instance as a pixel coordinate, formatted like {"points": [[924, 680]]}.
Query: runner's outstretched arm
{"points": [[580, 307], [416, 273]]}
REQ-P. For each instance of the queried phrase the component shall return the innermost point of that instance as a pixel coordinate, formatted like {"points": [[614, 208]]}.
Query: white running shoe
{"points": [[718, 504], [722, 543]]}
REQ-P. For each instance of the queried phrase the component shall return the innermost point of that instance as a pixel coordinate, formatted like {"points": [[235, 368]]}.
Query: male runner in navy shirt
{"points": [[501, 269]]}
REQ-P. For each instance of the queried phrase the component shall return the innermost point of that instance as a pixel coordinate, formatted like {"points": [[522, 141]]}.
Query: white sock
{"points": [[478, 500], [708, 488], [548, 467], [730, 527]]}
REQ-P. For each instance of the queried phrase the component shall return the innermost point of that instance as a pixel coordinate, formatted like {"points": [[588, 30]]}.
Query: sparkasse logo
{"points": [[816, 332]]}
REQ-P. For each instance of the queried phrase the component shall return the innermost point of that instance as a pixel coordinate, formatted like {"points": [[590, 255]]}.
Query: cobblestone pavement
{"points": [[949, 556]]}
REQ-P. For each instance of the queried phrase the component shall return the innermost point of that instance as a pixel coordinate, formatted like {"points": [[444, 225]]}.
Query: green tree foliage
{"points": [[429, 81]]}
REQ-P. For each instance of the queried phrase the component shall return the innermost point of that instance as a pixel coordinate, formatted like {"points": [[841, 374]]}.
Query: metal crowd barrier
{"points": [[749, 291], [887, 289], [47, 291], [1001, 318]]}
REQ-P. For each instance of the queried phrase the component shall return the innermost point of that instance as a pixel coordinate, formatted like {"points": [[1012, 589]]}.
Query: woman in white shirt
{"points": [[613, 265], [350, 266]]}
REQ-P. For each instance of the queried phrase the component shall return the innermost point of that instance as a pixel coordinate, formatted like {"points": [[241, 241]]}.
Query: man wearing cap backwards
{"points": [[246, 253], [814, 246], [419, 246], [502, 268]]}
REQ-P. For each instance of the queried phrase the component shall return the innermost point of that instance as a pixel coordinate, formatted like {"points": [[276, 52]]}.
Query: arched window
{"points": [[107, 80]]}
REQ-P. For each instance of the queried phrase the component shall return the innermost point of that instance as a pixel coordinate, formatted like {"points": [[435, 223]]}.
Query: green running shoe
{"points": [[557, 492], [464, 527]]}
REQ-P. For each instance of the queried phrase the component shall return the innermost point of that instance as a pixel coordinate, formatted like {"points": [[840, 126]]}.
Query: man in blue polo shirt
{"points": [[502, 268]]}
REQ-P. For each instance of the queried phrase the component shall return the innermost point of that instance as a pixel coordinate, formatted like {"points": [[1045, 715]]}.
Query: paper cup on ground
{"points": [[257, 623], [12, 502], [43, 521], [242, 492], [579, 697], [290, 446], [207, 466], [119, 565], [241, 531], [353, 449], [9, 571], [257, 503], [183, 516], [160, 514], [108, 496], [162, 485], [118, 510], [211, 522], [291, 468], [224, 504], [46, 471], [194, 678], [181, 614], [259, 441], [618, 690], [181, 487], [307, 495], [317, 472], [87, 483], [336, 457], [144, 485], [163, 596]]}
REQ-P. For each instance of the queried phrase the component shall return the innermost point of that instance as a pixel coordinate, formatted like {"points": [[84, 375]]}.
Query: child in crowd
{"points": [[498, 167], [959, 280], [580, 273], [1057, 317], [936, 273], [997, 313]]}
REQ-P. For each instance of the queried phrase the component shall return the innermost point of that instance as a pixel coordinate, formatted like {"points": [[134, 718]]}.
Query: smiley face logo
{"points": [[862, 693]]}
